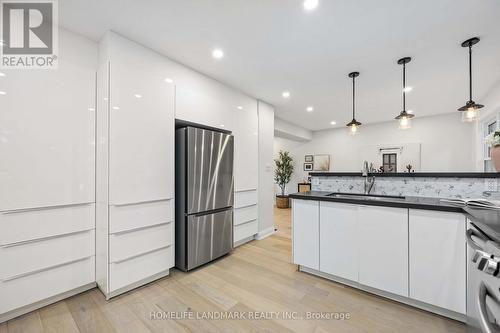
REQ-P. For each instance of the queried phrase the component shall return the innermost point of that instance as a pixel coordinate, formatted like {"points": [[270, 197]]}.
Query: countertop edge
{"points": [[395, 204], [410, 175]]}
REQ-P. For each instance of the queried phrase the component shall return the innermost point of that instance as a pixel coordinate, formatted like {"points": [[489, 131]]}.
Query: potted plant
{"points": [[493, 140], [282, 175]]}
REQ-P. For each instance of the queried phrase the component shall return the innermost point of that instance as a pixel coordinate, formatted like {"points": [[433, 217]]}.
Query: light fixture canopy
{"points": [[353, 124], [404, 117], [471, 108]]}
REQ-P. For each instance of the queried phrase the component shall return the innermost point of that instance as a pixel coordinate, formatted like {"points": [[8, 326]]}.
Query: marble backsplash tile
{"points": [[405, 186]]}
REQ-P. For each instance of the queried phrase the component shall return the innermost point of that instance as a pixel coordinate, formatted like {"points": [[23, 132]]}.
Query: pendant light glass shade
{"points": [[353, 125], [404, 120], [470, 111], [404, 117]]}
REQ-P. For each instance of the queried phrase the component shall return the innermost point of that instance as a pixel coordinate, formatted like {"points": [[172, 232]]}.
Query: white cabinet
{"points": [[338, 239], [383, 248], [47, 130], [438, 258], [203, 100], [246, 145], [135, 170], [305, 233], [47, 184]]}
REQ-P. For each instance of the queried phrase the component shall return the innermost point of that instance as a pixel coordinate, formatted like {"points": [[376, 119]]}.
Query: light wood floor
{"points": [[257, 276]]}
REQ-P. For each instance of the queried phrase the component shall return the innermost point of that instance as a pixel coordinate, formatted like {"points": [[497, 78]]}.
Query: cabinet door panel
{"points": [[305, 230], [246, 145], [338, 239], [141, 126], [47, 131], [383, 244], [437, 259]]}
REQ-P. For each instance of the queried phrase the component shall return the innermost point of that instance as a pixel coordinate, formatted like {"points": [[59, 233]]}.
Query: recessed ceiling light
{"points": [[137, 96], [2, 74], [240, 107], [91, 109], [285, 94], [116, 108], [105, 98], [221, 125], [3, 93], [333, 122], [169, 80], [309, 109], [217, 53], [407, 89], [310, 4]]}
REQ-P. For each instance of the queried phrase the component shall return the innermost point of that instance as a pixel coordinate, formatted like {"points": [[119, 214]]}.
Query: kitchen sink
{"points": [[361, 196]]}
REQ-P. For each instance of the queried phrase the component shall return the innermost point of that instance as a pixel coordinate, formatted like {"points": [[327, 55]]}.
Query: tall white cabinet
{"points": [[246, 169], [135, 169], [47, 135]]}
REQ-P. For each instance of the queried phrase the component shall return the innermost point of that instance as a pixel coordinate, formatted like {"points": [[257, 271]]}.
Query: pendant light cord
{"points": [[404, 87], [470, 72], [353, 96]]}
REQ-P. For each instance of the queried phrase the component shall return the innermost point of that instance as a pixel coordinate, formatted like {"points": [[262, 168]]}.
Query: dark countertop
{"points": [[410, 174], [488, 220], [408, 202]]}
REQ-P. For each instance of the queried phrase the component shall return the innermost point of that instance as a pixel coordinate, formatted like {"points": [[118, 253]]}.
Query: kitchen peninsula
{"points": [[400, 241]]}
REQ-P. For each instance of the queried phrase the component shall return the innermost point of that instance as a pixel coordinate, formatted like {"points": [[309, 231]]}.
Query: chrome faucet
{"points": [[369, 180]]}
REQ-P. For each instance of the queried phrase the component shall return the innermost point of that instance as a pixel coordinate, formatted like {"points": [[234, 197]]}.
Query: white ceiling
{"points": [[274, 45]]}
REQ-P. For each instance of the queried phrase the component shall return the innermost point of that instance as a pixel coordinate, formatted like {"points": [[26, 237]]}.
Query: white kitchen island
{"points": [[411, 250]]}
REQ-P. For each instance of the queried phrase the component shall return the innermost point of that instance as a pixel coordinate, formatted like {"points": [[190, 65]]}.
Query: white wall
{"points": [[447, 144], [266, 168]]}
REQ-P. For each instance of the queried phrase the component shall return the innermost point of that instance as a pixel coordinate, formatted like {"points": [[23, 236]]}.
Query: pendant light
{"points": [[353, 124], [470, 109], [404, 117]]}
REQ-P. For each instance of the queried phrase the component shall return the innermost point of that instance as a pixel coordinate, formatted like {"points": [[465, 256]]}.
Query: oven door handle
{"points": [[484, 321], [470, 241]]}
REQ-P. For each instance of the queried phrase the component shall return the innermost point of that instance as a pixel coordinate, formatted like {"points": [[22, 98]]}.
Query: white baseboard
{"points": [[265, 233]]}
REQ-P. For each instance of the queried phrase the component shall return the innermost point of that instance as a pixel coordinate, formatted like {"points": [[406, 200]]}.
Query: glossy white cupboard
{"points": [[246, 169], [305, 233], [135, 172], [383, 248], [338, 232], [438, 258], [47, 192], [413, 256]]}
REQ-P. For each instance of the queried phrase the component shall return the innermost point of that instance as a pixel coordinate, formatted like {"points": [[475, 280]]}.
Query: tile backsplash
{"points": [[405, 186]]}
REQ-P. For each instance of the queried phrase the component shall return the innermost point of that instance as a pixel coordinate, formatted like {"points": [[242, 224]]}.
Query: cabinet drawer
{"points": [[129, 217], [245, 214], [38, 255], [20, 226], [36, 287], [138, 268], [132, 243], [245, 230], [245, 198]]}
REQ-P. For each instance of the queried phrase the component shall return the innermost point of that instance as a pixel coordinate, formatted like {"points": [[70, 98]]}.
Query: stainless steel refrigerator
{"points": [[204, 186]]}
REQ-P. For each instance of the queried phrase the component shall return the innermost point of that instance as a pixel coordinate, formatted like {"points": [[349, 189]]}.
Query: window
{"points": [[390, 162]]}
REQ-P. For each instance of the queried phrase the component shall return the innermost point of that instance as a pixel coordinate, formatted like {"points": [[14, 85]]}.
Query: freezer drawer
{"points": [[209, 237]]}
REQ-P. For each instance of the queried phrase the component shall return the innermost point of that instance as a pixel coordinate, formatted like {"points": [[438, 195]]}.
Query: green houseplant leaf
{"points": [[284, 169]]}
